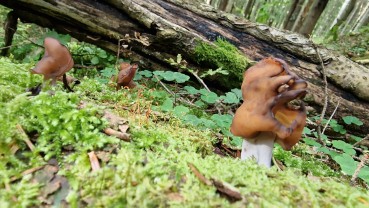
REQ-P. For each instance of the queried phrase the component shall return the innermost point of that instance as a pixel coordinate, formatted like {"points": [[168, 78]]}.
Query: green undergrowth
{"points": [[150, 171]]}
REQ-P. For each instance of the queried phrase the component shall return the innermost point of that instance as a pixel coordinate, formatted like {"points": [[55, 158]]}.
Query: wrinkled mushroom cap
{"points": [[265, 107], [126, 75], [56, 61]]}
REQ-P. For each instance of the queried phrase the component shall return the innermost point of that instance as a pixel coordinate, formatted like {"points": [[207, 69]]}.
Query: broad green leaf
{"points": [[230, 98], [209, 97], [167, 105], [145, 73], [238, 93], [311, 142], [180, 110], [191, 90], [347, 163], [180, 78], [347, 148], [352, 120], [307, 131], [94, 60], [223, 121]]}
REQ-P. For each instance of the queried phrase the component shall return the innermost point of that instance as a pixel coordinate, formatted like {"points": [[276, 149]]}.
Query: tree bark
{"points": [[248, 9], [290, 12], [172, 27], [312, 18]]}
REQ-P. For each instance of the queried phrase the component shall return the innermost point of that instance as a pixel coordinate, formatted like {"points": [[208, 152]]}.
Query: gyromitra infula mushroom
{"points": [[56, 61], [126, 74], [266, 116]]}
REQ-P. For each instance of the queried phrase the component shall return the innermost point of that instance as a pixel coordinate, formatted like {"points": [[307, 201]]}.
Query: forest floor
{"points": [[54, 152]]}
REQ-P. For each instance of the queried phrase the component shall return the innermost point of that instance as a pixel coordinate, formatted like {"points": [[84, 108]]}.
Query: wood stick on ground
{"points": [[224, 189], [26, 172], [359, 167], [26, 138], [95, 165], [124, 136]]}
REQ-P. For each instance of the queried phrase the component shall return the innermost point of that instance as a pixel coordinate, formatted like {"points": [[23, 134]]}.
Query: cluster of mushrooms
{"points": [[266, 116], [57, 61]]}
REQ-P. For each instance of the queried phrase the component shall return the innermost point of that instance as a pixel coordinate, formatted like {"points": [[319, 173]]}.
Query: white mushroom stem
{"points": [[259, 148]]}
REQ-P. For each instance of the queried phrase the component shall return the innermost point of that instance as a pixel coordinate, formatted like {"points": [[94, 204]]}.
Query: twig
{"points": [[26, 172], [25, 138], [365, 138], [330, 118], [199, 79], [163, 85], [95, 165], [173, 94], [123, 136], [359, 166], [325, 95]]}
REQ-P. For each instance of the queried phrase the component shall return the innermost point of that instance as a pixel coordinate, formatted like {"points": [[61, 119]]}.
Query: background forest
{"points": [[177, 150]]}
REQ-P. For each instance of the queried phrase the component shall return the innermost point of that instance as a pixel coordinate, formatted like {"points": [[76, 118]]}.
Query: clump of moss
{"points": [[223, 54]]}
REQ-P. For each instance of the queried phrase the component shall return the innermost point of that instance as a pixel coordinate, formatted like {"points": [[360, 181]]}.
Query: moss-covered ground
{"points": [[150, 171]]}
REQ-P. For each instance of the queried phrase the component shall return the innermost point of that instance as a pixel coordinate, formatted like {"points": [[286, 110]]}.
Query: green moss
{"points": [[150, 171], [223, 54]]}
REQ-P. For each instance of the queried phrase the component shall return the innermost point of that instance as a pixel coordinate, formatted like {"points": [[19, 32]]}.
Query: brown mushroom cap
{"points": [[56, 61], [265, 108], [126, 75]]}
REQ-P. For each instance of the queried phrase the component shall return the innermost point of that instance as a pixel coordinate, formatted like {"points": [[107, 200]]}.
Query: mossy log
{"points": [[161, 29]]}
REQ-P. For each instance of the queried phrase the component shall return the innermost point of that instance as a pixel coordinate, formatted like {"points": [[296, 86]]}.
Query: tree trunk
{"points": [[350, 21], [344, 12], [312, 18], [248, 9], [303, 13], [363, 18], [172, 27], [288, 21]]}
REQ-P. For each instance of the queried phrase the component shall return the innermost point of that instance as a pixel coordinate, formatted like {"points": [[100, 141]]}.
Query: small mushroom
{"points": [[56, 61], [265, 115], [126, 74]]}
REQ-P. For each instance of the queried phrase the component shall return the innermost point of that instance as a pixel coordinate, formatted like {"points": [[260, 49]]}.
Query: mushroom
{"points": [[56, 61], [126, 74], [265, 116]]}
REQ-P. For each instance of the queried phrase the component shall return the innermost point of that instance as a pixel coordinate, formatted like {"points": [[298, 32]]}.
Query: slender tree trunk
{"points": [[229, 6], [223, 5], [303, 14], [10, 26], [363, 18], [312, 18], [347, 27], [288, 19], [248, 9], [344, 12]]}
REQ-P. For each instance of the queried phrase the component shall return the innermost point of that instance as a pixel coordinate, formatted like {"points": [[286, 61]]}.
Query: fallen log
{"points": [[158, 30]]}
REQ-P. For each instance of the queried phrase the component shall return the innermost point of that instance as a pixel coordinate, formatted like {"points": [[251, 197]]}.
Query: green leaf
{"points": [[347, 163], [145, 73], [95, 60], [180, 110], [347, 148], [364, 174], [167, 105], [230, 98], [209, 97], [223, 121], [180, 78], [311, 142], [352, 120], [306, 131], [238, 93], [200, 104], [108, 72], [191, 90], [102, 54]]}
